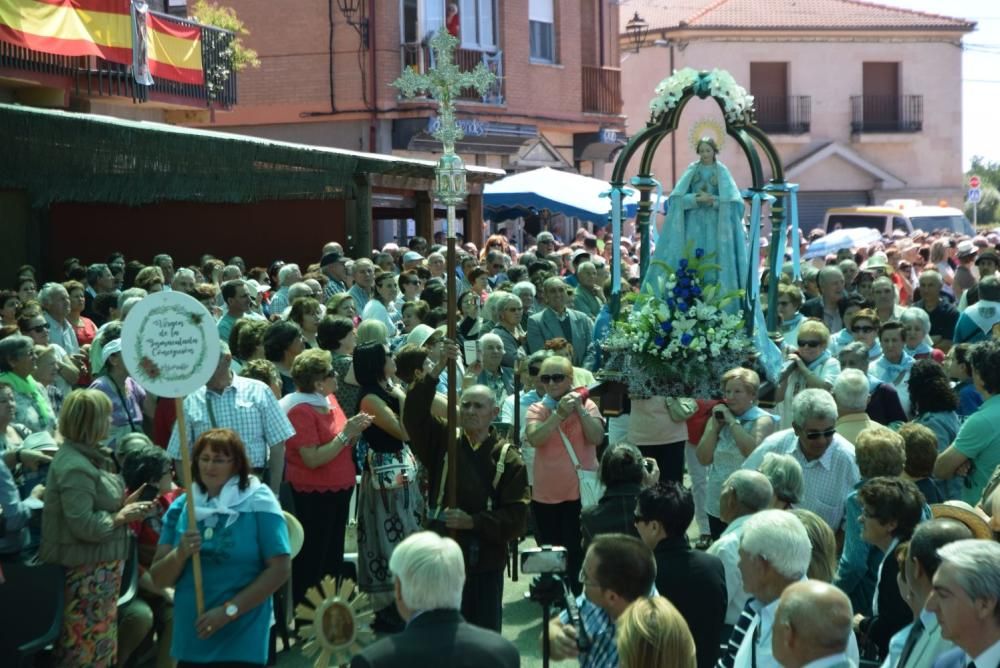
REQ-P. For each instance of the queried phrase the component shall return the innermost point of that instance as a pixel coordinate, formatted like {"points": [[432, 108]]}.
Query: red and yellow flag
{"points": [[102, 28]]}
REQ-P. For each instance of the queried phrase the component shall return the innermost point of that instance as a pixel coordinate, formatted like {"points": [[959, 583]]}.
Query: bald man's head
{"points": [[813, 621]]}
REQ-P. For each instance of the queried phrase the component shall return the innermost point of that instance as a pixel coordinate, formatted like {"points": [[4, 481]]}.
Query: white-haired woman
{"points": [[916, 335], [785, 476], [507, 326], [488, 370]]}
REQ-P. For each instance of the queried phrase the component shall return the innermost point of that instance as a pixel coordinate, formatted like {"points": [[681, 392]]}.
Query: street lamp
{"points": [[449, 180], [349, 8], [637, 29]]}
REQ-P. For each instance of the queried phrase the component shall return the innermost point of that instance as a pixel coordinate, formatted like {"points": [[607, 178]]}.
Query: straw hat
{"points": [[977, 522], [296, 534]]}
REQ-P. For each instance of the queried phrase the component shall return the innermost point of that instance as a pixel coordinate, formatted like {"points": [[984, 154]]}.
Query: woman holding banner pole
{"points": [[242, 539]]}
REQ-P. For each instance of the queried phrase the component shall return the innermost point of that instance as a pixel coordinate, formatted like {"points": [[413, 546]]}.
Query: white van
{"points": [[907, 218]]}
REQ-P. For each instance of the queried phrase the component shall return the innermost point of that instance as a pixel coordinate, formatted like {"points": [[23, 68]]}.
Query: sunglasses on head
{"points": [[816, 435], [553, 378], [811, 343]]}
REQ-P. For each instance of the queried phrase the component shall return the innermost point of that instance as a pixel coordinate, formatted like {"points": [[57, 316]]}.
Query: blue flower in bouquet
{"points": [[696, 291], [686, 339], [671, 303], [699, 253], [683, 263], [666, 326], [659, 341], [683, 306]]}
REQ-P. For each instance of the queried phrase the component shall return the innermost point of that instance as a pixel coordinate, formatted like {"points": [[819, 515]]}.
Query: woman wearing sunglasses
{"points": [[564, 419], [864, 329], [809, 366]]}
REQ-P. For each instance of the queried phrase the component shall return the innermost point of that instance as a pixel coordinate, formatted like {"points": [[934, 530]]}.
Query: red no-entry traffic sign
{"points": [[973, 181]]}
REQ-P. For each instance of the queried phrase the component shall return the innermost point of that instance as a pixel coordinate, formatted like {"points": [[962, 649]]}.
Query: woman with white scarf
{"points": [[893, 366], [245, 557], [809, 365], [319, 467]]}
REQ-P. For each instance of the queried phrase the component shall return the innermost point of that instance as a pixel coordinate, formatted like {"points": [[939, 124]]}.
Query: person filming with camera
{"points": [[617, 570]]}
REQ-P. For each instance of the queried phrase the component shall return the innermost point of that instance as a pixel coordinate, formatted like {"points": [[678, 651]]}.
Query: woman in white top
{"points": [[736, 428], [810, 365], [382, 305]]}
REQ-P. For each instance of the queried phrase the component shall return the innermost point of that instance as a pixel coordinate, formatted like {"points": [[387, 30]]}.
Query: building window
{"points": [[541, 23], [478, 24], [421, 19]]}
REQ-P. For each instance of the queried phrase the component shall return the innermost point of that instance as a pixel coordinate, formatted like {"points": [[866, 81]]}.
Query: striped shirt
{"points": [[601, 631], [246, 406]]}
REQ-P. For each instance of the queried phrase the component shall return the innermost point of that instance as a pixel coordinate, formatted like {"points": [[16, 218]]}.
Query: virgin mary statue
{"points": [[706, 207]]}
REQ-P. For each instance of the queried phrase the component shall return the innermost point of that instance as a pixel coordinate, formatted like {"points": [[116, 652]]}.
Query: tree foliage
{"points": [[988, 211], [212, 14]]}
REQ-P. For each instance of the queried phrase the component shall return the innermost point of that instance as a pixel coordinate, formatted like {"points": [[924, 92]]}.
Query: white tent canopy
{"points": [[546, 188]]}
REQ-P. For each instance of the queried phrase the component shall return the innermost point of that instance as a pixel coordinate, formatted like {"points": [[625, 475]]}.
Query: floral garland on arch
{"points": [[680, 346], [736, 101]]}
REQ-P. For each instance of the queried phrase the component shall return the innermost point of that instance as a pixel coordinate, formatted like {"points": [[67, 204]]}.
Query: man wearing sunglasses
{"points": [[827, 458], [491, 508]]}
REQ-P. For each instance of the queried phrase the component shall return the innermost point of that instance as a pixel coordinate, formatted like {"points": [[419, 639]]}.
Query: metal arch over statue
{"points": [[702, 290]]}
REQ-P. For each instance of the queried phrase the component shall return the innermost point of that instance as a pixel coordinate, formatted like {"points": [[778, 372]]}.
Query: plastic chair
{"points": [[31, 610]]}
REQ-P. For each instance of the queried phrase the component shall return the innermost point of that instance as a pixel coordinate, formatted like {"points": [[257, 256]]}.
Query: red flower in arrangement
{"points": [[149, 367]]}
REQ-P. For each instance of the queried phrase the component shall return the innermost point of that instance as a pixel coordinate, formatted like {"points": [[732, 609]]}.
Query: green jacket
{"points": [[83, 492]]}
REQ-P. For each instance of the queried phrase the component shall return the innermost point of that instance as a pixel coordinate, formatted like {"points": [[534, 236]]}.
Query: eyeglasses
{"points": [[811, 343], [637, 517], [584, 581], [862, 329], [512, 309], [38, 329], [816, 435], [331, 374], [221, 461], [554, 378], [533, 370], [473, 404]]}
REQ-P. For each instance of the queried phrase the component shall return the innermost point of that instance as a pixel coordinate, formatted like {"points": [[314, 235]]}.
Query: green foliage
{"points": [[988, 212], [212, 14]]}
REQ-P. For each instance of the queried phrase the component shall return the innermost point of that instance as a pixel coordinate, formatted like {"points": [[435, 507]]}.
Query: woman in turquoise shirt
{"points": [[243, 541]]}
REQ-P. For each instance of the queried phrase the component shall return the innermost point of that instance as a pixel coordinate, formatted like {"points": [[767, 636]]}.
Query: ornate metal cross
{"points": [[444, 81]]}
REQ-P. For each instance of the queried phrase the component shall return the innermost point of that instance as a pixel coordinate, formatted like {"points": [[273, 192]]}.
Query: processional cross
{"points": [[444, 82]]}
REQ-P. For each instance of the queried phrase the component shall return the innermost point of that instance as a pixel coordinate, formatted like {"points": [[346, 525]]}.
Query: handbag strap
{"points": [[569, 449]]}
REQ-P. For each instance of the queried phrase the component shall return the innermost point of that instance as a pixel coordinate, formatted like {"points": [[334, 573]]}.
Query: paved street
{"points": [[521, 617]]}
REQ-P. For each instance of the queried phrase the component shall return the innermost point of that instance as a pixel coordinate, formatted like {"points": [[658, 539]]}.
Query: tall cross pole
{"points": [[444, 82]]}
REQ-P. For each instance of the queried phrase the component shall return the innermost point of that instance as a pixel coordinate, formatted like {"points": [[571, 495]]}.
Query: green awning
{"points": [[59, 156]]}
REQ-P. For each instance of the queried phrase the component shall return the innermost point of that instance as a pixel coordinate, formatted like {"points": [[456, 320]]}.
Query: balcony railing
{"points": [[93, 76], [783, 114], [420, 58], [602, 90], [887, 113]]}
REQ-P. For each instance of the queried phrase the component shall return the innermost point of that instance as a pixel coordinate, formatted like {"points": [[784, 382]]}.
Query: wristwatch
{"points": [[232, 610]]}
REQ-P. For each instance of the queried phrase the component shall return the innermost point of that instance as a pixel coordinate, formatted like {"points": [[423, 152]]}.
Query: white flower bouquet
{"points": [[679, 336], [736, 101]]}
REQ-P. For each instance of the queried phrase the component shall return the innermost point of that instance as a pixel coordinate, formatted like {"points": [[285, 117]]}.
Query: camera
{"points": [[649, 463], [544, 560], [719, 415]]}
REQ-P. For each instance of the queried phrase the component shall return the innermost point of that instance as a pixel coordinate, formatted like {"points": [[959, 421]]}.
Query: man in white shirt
{"points": [[812, 626], [774, 552], [55, 307], [923, 643], [966, 601], [829, 468], [743, 494]]}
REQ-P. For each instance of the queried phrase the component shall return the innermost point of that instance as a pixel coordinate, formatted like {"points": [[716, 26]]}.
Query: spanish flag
{"points": [[102, 28]]}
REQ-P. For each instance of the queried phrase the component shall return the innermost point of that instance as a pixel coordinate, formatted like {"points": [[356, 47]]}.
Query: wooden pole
{"points": [[452, 367], [199, 591]]}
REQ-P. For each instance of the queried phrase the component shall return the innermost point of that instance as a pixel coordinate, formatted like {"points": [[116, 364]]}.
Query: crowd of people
{"points": [[836, 511]]}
